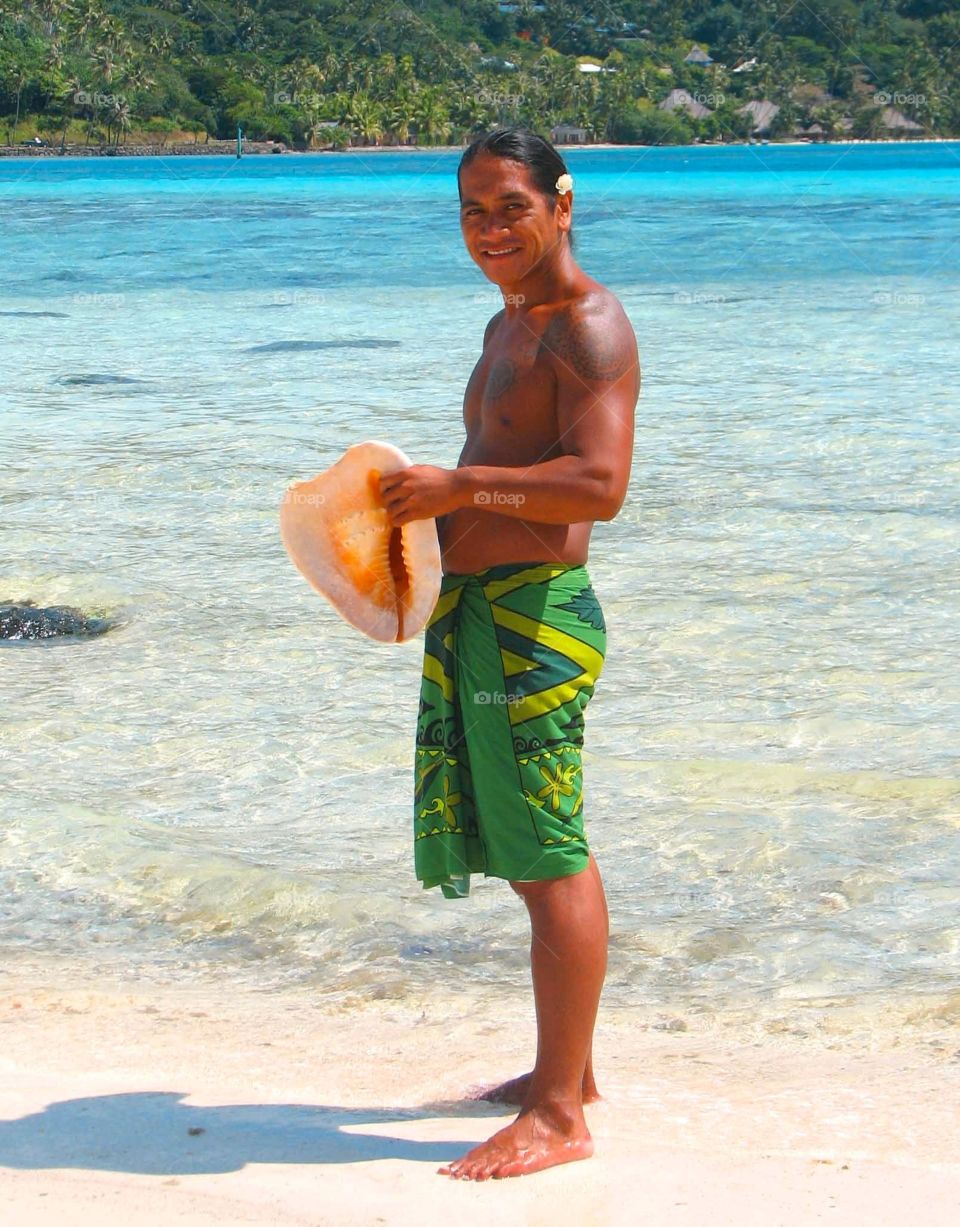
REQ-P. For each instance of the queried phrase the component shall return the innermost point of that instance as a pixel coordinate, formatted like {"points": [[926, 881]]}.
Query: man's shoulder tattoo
{"points": [[590, 352]]}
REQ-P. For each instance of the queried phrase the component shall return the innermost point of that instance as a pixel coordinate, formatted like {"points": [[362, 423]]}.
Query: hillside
{"points": [[312, 73]]}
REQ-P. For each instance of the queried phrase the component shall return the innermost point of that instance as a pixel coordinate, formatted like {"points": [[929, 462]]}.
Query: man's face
{"points": [[509, 227]]}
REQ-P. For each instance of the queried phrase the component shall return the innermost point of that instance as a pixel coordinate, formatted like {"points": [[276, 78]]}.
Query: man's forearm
{"points": [[565, 490]]}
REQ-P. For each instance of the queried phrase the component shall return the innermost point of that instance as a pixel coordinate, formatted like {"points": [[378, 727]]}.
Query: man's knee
{"points": [[530, 892], [542, 888]]}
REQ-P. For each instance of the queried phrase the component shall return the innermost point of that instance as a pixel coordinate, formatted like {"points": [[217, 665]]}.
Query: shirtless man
{"points": [[548, 412]]}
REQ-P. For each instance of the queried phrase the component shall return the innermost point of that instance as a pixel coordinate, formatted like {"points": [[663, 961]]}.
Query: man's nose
{"points": [[493, 227]]}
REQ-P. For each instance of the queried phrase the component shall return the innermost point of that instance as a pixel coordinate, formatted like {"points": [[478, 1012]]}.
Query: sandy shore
{"points": [[194, 1106], [251, 148]]}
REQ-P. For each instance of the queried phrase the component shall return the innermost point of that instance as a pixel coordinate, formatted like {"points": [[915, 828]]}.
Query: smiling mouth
{"points": [[498, 253]]}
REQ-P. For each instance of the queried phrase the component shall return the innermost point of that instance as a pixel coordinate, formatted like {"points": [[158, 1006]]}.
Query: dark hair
{"points": [[521, 145]]}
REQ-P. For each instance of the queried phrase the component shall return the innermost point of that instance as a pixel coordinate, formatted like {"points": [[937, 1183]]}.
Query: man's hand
{"points": [[420, 492]]}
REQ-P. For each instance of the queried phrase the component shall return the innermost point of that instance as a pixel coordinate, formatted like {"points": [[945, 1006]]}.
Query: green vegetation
{"points": [[316, 73]]}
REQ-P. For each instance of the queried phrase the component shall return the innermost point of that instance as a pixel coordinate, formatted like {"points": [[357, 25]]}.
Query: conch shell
{"points": [[383, 580]]}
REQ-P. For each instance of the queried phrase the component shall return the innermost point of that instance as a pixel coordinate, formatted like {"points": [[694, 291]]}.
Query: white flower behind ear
{"points": [[564, 184]]}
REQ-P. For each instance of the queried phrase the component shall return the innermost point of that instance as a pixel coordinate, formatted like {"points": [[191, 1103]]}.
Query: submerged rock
{"points": [[49, 315], [94, 381], [292, 347], [24, 620]]}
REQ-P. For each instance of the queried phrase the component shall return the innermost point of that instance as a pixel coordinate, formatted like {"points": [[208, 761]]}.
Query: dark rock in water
{"points": [[23, 620], [277, 347], [85, 381], [590, 217], [48, 315], [95, 380]]}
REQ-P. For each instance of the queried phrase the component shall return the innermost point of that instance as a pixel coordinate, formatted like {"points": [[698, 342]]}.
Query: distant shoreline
{"points": [[259, 148], [605, 145]]}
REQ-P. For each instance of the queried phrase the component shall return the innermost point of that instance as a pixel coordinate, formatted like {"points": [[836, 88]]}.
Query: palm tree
{"points": [[85, 17], [104, 56], [72, 87], [19, 76], [431, 116], [118, 116], [868, 123], [366, 115], [470, 113], [311, 122], [400, 112], [136, 78], [331, 69], [54, 55], [304, 79], [615, 94], [158, 43], [828, 117], [560, 79], [406, 74], [840, 76]]}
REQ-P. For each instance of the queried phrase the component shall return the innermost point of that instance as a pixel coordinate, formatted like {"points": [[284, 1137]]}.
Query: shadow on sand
{"points": [[153, 1133]]}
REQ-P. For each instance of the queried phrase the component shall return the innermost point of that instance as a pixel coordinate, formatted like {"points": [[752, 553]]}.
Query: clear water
{"points": [[221, 787]]}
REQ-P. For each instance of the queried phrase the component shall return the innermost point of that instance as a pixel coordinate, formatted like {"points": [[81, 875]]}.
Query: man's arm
{"points": [[593, 354]]}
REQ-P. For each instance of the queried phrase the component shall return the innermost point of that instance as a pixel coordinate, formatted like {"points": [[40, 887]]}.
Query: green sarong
{"points": [[511, 656]]}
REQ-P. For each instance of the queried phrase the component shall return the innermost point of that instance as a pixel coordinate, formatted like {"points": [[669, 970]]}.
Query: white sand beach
{"points": [[195, 1106]]}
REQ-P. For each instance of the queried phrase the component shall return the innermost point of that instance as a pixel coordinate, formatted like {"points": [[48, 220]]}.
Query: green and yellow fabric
{"points": [[511, 658]]}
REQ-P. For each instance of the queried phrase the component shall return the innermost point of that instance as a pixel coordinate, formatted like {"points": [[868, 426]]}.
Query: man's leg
{"points": [[514, 1091], [568, 958]]}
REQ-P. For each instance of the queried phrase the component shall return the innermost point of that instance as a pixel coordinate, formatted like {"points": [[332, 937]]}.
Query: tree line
{"points": [[317, 73]]}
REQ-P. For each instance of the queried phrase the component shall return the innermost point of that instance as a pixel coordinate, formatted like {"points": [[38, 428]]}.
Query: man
{"points": [[517, 639]]}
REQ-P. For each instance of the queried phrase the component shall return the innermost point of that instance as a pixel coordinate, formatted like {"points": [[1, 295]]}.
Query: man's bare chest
{"points": [[512, 388]]}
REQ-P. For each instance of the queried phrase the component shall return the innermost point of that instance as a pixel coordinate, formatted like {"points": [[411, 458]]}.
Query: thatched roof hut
{"points": [[763, 113], [896, 121], [681, 100]]}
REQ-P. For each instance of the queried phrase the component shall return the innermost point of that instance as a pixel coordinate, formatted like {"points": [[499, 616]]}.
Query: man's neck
{"points": [[545, 284]]}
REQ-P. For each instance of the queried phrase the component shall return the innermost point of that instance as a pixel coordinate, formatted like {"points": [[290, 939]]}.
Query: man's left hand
{"points": [[420, 492]]}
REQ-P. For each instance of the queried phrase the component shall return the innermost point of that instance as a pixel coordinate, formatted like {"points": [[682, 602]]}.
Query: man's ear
{"points": [[565, 211]]}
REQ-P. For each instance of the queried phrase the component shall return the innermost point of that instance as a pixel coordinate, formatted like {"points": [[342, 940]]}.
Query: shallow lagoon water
{"points": [[221, 786]]}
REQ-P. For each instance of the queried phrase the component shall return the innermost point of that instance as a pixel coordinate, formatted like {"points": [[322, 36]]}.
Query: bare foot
{"points": [[540, 1137], [515, 1091]]}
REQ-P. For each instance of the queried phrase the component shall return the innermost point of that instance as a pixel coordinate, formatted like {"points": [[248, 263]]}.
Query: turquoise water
{"points": [[220, 788]]}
